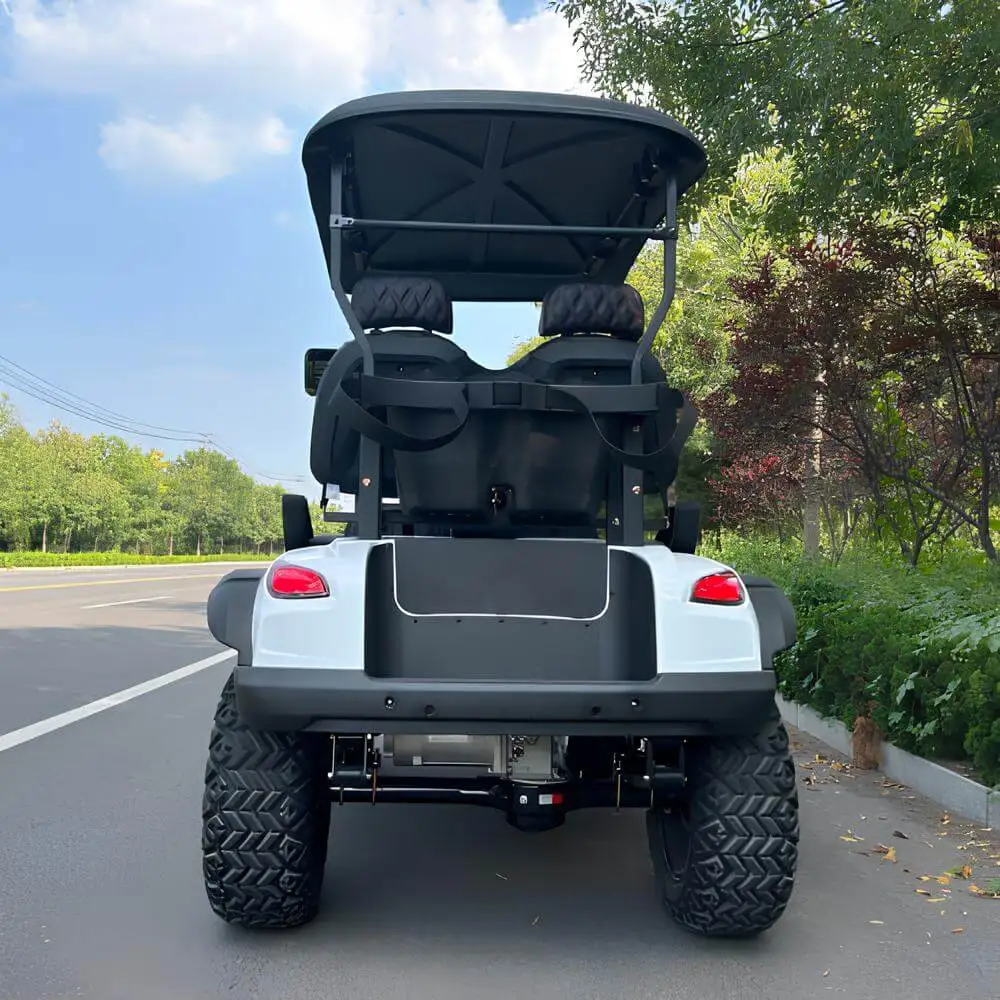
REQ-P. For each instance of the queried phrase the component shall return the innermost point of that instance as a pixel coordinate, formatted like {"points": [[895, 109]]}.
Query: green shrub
{"points": [[918, 651], [41, 560]]}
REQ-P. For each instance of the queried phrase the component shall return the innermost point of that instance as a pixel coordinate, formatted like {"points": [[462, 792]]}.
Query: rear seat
{"points": [[592, 331], [383, 307], [505, 450]]}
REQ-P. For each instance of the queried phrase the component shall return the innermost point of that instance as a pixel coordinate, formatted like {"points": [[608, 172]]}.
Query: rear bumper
{"points": [[350, 701]]}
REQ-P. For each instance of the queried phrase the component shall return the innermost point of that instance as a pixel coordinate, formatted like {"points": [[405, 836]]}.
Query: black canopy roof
{"points": [[490, 157]]}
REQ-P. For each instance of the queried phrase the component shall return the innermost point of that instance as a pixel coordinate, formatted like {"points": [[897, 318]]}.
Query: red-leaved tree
{"points": [[866, 370]]}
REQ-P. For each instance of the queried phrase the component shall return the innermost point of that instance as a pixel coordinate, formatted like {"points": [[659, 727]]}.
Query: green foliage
{"points": [[877, 105], [523, 347], [917, 651], [45, 560], [84, 496]]}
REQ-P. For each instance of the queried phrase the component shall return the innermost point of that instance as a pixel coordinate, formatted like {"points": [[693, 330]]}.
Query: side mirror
{"points": [[317, 359]]}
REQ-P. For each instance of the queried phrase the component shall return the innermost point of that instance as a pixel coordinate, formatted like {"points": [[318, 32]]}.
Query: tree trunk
{"points": [[170, 544], [986, 539], [985, 495], [45, 536], [814, 470], [97, 541], [198, 549], [67, 540]]}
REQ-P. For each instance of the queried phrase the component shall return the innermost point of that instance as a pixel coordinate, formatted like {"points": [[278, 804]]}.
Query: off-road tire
{"points": [[735, 836], [265, 822]]}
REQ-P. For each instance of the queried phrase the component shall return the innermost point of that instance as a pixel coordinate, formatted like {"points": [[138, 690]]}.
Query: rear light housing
{"points": [[719, 588], [296, 582]]}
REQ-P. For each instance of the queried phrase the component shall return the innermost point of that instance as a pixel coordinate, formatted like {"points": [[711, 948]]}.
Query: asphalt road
{"points": [[100, 883]]}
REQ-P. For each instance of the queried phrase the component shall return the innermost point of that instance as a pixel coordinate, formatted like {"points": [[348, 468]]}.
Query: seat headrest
{"points": [[380, 303], [591, 308]]}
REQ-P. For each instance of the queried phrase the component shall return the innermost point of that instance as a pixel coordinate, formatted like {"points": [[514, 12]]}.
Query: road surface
{"points": [[100, 884]]}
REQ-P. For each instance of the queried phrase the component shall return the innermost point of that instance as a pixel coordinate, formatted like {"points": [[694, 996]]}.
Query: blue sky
{"points": [[157, 254]]}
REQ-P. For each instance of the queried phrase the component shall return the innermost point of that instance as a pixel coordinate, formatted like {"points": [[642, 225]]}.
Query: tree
{"points": [[897, 335], [101, 493], [877, 105]]}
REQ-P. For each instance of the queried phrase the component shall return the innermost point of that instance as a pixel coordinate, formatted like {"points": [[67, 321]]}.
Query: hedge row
{"points": [[917, 652], [32, 560]]}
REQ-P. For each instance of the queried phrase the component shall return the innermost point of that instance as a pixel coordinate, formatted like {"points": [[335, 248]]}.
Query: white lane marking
{"points": [[18, 736], [115, 604]]}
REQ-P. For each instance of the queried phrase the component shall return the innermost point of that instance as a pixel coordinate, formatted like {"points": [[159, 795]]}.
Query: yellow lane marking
{"points": [[109, 583]]}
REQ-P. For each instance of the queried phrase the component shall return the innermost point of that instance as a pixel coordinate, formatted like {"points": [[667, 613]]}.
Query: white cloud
{"points": [[196, 146], [205, 87]]}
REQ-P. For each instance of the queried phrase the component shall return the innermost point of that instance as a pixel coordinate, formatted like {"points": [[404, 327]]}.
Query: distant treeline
{"points": [[62, 491]]}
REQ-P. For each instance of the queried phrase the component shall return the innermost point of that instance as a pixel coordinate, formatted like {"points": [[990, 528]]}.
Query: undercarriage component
{"points": [[440, 750], [521, 758], [535, 779]]}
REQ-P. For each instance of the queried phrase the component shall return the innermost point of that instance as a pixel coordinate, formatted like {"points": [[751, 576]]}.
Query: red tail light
{"points": [[294, 581], [719, 588]]}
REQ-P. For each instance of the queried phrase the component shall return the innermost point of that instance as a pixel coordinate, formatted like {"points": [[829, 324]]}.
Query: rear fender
{"points": [[230, 611], [775, 618]]}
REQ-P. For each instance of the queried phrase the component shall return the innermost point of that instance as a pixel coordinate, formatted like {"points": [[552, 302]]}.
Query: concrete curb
{"points": [[953, 791]]}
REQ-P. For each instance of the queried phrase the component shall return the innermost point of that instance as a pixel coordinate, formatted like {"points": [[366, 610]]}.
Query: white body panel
{"points": [[328, 633]]}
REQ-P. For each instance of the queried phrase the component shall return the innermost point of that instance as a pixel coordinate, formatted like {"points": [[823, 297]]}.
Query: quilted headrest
{"points": [[587, 308], [381, 303]]}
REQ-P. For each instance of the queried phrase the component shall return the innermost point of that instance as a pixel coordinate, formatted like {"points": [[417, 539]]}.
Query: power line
{"points": [[185, 435], [22, 380]]}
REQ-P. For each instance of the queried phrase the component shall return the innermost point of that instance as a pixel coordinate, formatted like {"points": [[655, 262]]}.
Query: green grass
{"points": [[41, 560]]}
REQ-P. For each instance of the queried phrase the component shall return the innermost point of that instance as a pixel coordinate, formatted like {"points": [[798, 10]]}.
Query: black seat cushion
{"points": [[380, 303], [593, 308]]}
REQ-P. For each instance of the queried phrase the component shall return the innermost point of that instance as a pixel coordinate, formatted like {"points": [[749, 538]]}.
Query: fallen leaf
{"points": [[825, 974], [889, 853], [990, 890], [942, 880], [924, 878], [958, 930], [946, 819], [876, 921], [850, 840], [820, 759], [922, 892], [534, 923], [900, 834], [937, 899], [504, 877], [960, 871]]}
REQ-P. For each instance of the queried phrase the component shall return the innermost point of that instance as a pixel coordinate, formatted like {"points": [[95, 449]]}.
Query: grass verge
{"points": [[43, 560]]}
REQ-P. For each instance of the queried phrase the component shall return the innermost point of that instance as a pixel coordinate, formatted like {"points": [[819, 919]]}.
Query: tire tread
{"points": [[265, 822]]}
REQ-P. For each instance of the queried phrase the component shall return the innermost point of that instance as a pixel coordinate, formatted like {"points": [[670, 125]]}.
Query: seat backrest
{"points": [[404, 319], [591, 333]]}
